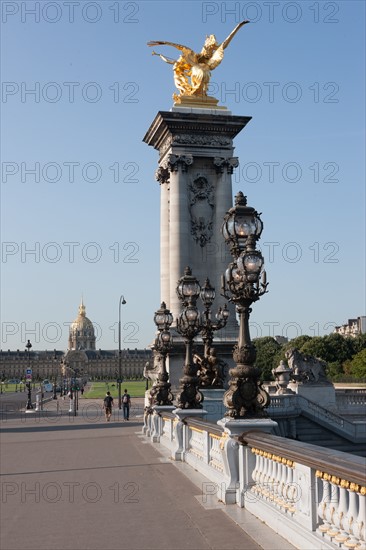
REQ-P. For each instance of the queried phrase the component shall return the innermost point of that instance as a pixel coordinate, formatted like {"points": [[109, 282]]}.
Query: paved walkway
{"points": [[82, 483]]}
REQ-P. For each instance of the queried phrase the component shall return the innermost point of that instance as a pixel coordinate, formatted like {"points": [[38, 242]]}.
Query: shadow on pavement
{"points": [[85, 425]]}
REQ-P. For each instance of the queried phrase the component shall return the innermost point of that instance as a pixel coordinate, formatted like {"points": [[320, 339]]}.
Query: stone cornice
{"points": [[194, 130]]}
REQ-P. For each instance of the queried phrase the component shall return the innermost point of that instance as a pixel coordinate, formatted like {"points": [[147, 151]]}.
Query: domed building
{"points": [[81, 356], [81, 335]]}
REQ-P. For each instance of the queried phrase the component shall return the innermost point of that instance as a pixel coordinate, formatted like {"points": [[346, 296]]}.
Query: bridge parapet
{"points": [[291, 406], [321, 491], [351, 401], [311, 496]]}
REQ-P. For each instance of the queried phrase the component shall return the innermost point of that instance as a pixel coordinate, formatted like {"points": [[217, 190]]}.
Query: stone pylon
{"points": [[195, 170]]}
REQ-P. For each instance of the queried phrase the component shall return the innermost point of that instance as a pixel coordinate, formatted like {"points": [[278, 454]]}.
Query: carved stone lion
{"points": [[306, 369]]}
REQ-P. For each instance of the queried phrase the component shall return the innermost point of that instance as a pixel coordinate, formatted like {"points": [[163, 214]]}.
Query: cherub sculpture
{"points": [[211, 369], [192, 71]]}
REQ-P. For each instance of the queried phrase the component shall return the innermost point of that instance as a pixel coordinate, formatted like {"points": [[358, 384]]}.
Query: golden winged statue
{"points": [[192, 71]]}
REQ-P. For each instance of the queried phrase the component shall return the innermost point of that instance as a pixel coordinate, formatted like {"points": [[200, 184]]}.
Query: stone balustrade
{"points": [[311, 496], [351, 401], [286, 406], [319, 494]]}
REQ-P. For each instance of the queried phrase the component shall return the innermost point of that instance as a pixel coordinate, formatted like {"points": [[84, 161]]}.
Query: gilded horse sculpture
{"points": [[192, 71]]}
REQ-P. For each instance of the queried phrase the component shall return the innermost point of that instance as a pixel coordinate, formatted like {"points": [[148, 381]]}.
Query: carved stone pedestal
{"points": [[323, 394], [233, 428], [213, 403], [156, 421], [181, 414]]}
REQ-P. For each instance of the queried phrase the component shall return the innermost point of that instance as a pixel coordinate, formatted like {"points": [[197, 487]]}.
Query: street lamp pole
{"points": [[122, 301], [160, 392], [189, 326], [29, 402], [54, 375], [244, 282], [211, 372]]}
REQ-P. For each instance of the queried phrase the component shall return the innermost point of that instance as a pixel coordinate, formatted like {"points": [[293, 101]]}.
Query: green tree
{"points": [[336, 350], [297, 342], [358, 365], [267, 355], [315, 347], [339, 348], [358, 343], [335, 371], [332, 348]]}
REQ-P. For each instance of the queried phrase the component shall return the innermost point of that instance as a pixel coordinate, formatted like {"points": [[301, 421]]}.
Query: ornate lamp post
{"points": [[208, 295], [244, 282], [122, 301], [29, 405], [160, 392], [188, 325], [212, 377], [62, 380]]}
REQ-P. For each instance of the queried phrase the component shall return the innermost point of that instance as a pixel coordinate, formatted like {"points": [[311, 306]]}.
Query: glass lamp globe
{"points": [[251, 264], [241, 222], [188, 286], [163, 317], [207, 293]]}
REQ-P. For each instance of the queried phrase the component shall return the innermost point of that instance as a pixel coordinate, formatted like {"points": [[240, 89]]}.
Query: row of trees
{"points": [[345, 357]]}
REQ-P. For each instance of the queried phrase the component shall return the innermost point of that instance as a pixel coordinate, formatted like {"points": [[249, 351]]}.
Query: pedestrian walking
{"points": [[126, 402], [107, 405]]}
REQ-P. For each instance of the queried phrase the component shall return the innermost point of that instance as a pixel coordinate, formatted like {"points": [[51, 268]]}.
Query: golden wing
{"points": [[216, 58], [184, 49], [227, 41]]}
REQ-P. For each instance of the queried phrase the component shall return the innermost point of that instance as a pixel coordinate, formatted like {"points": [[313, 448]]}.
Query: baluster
{"points": [[276, 478], [333, 508], [288, 485], [343, 535], [270, 477], [263, 475], [293, 491], [350, 520], [359, 528], [257, 469], [324, 504], [281, 487]]}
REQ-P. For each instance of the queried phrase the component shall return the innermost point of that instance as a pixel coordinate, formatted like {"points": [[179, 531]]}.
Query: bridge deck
{"points": [[82, 483]]}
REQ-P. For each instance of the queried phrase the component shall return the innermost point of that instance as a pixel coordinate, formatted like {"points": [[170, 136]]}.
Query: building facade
{"points": [[353, 328], [81, 356]]}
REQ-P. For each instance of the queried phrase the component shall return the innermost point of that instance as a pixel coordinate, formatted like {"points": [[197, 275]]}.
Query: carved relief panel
{"points": [[201, 209]]}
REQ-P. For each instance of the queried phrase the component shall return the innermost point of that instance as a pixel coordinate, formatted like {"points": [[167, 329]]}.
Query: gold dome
{"points": [[82, 331], [82, 322]]}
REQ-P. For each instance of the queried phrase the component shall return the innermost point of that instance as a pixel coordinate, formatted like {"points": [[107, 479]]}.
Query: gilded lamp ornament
{"points": [[192, 71], [244, 282]]}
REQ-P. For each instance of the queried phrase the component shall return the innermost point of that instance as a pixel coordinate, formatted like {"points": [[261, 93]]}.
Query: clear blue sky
{"points": [[90, 209]]}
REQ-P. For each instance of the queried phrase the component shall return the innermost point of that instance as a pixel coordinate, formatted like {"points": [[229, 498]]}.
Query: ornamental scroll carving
{"points": [[197, 139], [174, 161], [201, 208], [228, 163], [162, 174]]}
